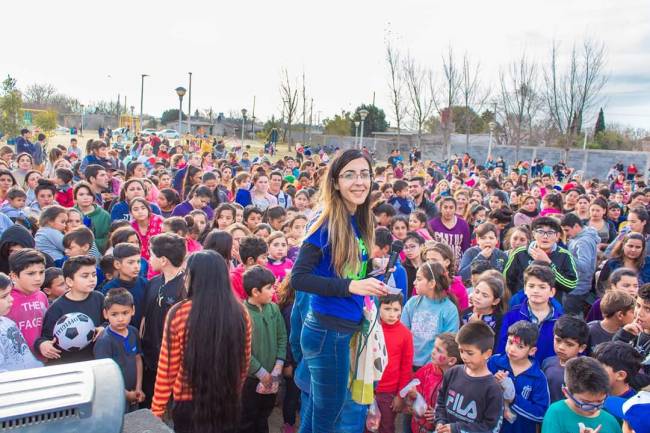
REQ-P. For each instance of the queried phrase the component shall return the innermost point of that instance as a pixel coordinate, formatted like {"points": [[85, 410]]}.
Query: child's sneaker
{"points": [[288, 428]]}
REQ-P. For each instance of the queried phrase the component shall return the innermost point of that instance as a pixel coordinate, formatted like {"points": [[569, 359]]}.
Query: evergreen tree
{"points": [[600, 123]]}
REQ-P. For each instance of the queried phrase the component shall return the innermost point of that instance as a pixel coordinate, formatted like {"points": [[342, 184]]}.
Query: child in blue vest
{"points": [[537, 308], [524, 411]]}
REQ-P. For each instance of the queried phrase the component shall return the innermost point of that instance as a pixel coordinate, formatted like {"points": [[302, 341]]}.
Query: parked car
{"points": [[62, 130], [169, 134], [148, 131]]}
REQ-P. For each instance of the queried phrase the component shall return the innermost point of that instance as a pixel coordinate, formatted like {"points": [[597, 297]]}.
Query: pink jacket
{"points": [[457, 288]]}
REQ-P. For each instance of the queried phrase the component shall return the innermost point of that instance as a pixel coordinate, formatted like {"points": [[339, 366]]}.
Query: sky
{"points": [[95, 50]]}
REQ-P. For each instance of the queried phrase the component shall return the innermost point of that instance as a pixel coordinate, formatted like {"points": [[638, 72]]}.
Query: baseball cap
{"points": [[634, 410]]}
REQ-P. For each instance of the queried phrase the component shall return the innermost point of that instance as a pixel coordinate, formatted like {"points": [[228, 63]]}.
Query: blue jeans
{"points": [[327, 355]]}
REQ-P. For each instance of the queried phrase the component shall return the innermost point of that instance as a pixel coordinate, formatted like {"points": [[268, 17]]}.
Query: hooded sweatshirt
{"points": [[16, 234], [50, 241], [99, 221], [584, 248]]}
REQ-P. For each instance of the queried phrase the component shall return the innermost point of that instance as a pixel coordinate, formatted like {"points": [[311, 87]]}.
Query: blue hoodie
{"points": [[531, 395], [545, 339]]}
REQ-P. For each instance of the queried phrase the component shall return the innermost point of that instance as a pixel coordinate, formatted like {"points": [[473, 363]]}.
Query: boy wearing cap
{"points": [[633, 411]]}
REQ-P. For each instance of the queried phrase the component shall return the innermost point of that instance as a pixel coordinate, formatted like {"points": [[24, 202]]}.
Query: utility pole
{"points": [[373, 98], [311, 113], [253, 117], [141, 97], [189, 107], [118, 110]]}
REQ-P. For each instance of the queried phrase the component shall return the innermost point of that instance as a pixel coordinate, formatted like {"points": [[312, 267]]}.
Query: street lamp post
{"points": [[356, 132], [243, 126], [492, 126], [142, 96], [189, 107], [131, 122], [362, 114], [82, 120], [180, 91]]}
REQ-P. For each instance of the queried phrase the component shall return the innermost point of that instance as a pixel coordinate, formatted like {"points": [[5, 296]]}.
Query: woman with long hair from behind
{"points": [[195, 368]]}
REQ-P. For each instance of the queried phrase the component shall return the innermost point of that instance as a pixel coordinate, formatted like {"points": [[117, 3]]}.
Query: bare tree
{"points": [[471, 93], [520, 102], [447, 97], [396, 87], [289, 95], [571, 93], [420, 98], [39, 95], [304, 108]]}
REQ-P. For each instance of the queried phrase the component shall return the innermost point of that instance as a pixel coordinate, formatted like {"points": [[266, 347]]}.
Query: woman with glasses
{"points": [[332, 265]]}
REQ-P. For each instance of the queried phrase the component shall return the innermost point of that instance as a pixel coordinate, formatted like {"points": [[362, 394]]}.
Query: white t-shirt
{"points": [[14, 351]]}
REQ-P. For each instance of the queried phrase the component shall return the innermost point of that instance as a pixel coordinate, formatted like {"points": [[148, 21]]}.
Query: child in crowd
{"points": [[120, 342], [297, 226], [268, 350], [81, 278], [15, 208], [15, 353], [418, 222], [27, 271], [130, 236], [63, 181], [162, 292], [537, 308], [224, 216], [488, 303], [470, 398], [94, 217], [637, 333], [380, 256], [252, 217], [586, 386], [49, 237], [444, 356], [145, 223], [275, 216], [278, 263], [443, 254], [430, 312], [622, 364], [487, 237], [252, 251], [524, 411], [570, 337], [478, 267], [397, 374], [53, 284], [400, 201], [384, 213], [127, 266], [623, 279], [181, 227], [617, 308]]}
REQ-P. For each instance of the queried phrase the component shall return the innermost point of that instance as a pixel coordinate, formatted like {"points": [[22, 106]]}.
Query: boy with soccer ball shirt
{"points": [[81, 278]]}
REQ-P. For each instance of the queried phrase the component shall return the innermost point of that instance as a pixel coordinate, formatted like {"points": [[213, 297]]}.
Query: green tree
{"points": [[46, 120], [171, 115], [600, 123], [11, 102], [464, 117], [375, 121], [341, 124]]}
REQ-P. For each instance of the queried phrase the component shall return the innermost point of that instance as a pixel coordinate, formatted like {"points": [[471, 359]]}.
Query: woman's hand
{"points": [[368, 287]]}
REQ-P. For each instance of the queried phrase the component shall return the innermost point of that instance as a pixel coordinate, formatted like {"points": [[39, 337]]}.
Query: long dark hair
{"points": [[215, 349], [219, 241]]}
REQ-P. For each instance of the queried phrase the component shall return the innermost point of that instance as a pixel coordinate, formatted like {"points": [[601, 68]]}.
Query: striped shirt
{"points": [[170, 379]]}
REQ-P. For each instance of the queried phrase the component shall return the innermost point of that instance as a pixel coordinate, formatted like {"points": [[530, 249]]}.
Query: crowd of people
{"points": [[225, 283]]}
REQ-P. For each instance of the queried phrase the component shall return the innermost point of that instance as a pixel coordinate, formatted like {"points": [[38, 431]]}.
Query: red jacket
{"points": [[430, 377], [65, 198], [399, 345], [237, 280]]}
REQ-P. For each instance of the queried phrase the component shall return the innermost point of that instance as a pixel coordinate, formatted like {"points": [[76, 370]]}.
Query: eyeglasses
{"points": [[587, 407], [409, 247], [350, 176], [545, 234]]}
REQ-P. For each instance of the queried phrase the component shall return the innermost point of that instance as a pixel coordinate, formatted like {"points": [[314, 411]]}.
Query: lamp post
{"points": [[180, 91], [82, 120], [243, 125], [492, 125], [142, 96], [356, 132], [362, 114], [189, 107], [131, 122]]}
